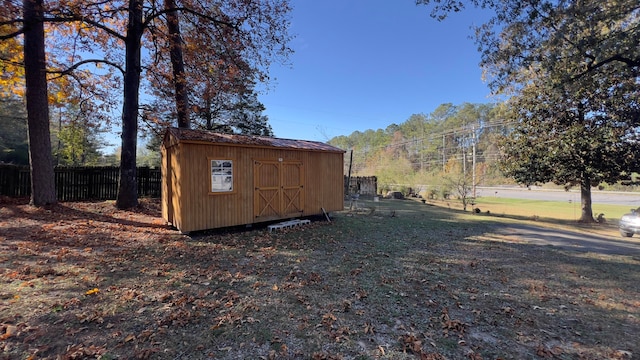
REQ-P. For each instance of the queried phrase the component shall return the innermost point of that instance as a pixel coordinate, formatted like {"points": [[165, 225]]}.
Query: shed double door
{"points": [[279, 189]]}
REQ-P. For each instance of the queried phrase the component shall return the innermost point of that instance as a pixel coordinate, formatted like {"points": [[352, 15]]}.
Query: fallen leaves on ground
{"points": [[85, 280]]}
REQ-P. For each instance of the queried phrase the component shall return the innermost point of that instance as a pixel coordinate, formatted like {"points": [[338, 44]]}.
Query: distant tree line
{"points": [[74, 141], [453, 139]]}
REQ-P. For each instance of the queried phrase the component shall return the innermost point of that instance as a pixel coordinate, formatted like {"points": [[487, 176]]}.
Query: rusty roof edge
{"points": [[209, 137]]}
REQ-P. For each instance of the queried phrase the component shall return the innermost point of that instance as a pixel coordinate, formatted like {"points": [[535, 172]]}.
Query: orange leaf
{"points": [[92, 291], [9, 332]]}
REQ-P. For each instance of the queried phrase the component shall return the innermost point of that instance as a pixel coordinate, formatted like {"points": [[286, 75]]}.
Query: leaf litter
{"points": [[84, 281]]}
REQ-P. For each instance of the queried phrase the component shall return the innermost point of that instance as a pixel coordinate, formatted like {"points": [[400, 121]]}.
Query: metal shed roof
{"points": [[189, 135]]}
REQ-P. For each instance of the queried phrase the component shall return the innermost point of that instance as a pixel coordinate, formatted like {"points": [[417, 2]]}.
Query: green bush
{"points": [[432, 194], [445, 193]]}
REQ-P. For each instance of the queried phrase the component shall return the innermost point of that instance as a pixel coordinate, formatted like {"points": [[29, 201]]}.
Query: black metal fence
{"points": [[79, 183]]}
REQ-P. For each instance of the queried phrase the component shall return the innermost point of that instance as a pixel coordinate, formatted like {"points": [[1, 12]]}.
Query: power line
{"points": [[438, 154]]}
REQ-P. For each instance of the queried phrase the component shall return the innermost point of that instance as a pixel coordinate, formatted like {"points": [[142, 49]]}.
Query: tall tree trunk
{"points": [[177, 61], [585, 200], [207, 112], [128, 187], [43, 190]]}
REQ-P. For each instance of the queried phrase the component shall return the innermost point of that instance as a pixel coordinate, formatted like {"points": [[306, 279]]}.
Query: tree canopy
{"points": [[570, 72], [569, 141], [111, 47]]}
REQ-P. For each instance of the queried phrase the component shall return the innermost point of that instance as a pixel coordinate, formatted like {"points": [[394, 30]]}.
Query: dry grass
{"points": [[406, 281]]}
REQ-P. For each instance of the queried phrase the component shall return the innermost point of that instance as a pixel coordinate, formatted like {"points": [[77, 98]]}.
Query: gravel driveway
{"points": [[570, 240]]}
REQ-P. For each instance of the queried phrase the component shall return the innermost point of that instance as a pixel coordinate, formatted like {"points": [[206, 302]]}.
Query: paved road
{"points": [[570, 240], [566, 239], [632, 200]]}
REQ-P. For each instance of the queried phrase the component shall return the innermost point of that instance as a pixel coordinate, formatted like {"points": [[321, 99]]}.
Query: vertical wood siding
{"points": [[293, 190], [267, 192], [166, 203], [308, 182]]}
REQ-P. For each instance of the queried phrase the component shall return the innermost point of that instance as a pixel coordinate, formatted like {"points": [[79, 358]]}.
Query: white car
{"points": [[630, 223]]}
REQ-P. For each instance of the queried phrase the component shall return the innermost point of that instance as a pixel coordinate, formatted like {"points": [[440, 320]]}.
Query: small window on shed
{"points": [[221, 176]]}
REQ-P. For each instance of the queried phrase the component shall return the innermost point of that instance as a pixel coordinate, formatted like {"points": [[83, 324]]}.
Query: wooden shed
{"points": [[212, 180]]}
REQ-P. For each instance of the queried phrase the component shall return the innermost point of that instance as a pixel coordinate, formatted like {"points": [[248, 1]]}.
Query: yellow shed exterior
{"points": [[214, 180]]}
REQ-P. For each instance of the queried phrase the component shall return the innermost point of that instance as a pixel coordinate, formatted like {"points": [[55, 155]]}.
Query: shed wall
{"points": [[190, 206], [170, 185], [165, 187]]}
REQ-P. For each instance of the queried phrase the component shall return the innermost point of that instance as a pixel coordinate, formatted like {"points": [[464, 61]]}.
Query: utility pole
{"points": [[444, 160], [422, 152], [473, 145], [348, 189], [464, 162]]}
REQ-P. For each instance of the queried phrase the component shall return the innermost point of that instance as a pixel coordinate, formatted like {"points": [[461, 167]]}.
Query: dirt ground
{"points": [[392, 280]]}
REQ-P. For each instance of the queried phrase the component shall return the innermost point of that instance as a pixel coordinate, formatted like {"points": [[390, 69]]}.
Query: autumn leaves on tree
{"points": [[568, 69], [103, 49]]}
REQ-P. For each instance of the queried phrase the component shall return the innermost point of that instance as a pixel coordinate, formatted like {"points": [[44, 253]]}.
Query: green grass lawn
{"points": [[551, 210]]}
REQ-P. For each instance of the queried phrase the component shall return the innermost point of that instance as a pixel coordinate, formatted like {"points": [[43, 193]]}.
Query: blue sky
{"points": [[365, 64]]}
